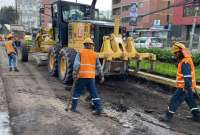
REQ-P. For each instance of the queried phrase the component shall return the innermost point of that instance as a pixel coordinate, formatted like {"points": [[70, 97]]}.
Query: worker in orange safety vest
{"points": [[185, 83], [11, 50], [84, 71]]}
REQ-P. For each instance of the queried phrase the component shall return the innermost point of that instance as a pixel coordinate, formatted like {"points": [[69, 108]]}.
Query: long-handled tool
{"points": [[71, 92]]}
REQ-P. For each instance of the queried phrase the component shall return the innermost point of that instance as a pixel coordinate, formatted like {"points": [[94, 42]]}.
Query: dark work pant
{"points": [[178, 98], [89, 84]]}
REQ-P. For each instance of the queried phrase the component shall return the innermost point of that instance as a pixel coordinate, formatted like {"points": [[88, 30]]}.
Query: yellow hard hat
{"points": [[89, 41], [9, 36], [177, 46]]}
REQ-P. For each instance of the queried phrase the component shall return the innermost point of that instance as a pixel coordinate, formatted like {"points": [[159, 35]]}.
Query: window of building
{"points": [[116, 1], [190, 11], [116, 11], [126, 19], [126, 8], [188, 1]]}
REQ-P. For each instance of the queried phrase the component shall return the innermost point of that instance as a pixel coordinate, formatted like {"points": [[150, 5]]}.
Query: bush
{"points": [[164, 55], [28, 42], [196, 59]]}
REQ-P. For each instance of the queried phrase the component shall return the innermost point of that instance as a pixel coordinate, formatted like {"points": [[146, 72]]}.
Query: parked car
{"points": [[148, 42]]}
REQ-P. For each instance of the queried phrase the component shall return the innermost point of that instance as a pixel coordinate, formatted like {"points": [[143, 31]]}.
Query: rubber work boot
{"points": [[75, 111], [164, 118], [92, 107], [196, 116], [196, 119], [10, 69], [16, 70], [97, 113]]}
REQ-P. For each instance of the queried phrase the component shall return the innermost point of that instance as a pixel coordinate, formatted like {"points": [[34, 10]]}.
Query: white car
{"points": [[148, 42]]}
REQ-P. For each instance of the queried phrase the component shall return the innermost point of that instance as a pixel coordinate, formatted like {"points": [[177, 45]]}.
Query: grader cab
{"points": [[71, 25]]}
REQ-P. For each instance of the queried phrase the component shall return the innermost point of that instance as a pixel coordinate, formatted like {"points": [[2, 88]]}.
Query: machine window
{"points": [[72, 13]]}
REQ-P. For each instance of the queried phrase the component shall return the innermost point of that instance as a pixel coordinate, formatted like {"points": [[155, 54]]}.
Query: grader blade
{"points": [[41, 59], [115, 53]]}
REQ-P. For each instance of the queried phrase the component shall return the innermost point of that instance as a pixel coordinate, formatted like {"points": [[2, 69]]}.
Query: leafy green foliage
{"points": [[28, 42], [8, 15], [166, 56], [196, 59]]}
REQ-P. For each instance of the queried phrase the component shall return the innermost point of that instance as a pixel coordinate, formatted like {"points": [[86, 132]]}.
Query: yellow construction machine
{"points": [[115, 52], [71, 25], [39, 48]]}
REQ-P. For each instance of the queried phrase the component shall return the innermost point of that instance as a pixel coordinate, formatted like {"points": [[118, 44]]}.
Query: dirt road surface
{"points": [[36, 104]]}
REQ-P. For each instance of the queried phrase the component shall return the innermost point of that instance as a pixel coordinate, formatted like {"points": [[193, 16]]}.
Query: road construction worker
{"points": [[185, 83], [1, 41], [84, 71], [11, 50]]}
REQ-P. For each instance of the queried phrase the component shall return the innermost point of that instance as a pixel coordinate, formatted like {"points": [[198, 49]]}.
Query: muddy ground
{"points": [[36, 104]]}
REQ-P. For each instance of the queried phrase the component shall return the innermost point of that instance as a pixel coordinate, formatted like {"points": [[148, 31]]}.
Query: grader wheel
{"points": [[65, 67], [53, 61]]}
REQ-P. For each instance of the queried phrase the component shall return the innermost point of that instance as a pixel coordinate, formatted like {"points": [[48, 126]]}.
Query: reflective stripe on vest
{"points": [[87, 63], [9, 47], [180, 77]]}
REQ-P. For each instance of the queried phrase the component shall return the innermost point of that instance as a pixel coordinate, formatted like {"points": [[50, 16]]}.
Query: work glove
{"points": [[102, 79], [16, 51], [101, 76], [75, 75]]}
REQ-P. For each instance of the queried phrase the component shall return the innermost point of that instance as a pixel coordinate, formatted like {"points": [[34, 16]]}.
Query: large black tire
{"points": [[65, 67], [24, 53], [53, 57]]}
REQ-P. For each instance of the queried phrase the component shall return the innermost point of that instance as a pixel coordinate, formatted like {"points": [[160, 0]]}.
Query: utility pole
{"points": [[16, 11], [199, 44], [193, 28]]}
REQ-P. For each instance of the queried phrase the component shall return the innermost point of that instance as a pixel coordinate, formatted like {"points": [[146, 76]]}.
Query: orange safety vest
{"points": [[9, 47], [180, 78], [87, 63]]}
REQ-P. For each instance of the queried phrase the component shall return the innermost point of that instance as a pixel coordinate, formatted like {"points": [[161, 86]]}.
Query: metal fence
{"points": [[160, 68]]}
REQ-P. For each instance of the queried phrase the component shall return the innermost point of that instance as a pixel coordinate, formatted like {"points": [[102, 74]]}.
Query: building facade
{"points": [[183, 19], [122, 8], [105, 15], [28, 13], [46, 20]]}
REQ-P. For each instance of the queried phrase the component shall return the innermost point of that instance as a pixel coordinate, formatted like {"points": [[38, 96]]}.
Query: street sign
{"points": [[156, 23], [133, 14]]}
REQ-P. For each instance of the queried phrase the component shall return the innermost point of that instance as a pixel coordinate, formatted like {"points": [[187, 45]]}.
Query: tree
{"points": [[8, 15]]}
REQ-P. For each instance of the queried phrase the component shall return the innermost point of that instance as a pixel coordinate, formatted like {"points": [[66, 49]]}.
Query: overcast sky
{"points": [[101, 4]]}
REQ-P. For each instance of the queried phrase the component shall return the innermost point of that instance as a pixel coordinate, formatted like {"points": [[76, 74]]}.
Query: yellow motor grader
{"points": [[71, 25], [39, 48]]}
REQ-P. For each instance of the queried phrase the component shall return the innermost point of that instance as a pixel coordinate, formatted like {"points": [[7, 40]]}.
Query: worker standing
{"points": [[11, 50], [1, 41], [84, 71], [185, 83]]}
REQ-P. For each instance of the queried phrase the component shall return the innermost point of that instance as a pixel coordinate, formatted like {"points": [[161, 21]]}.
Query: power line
{"points": [[171, 6]]}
